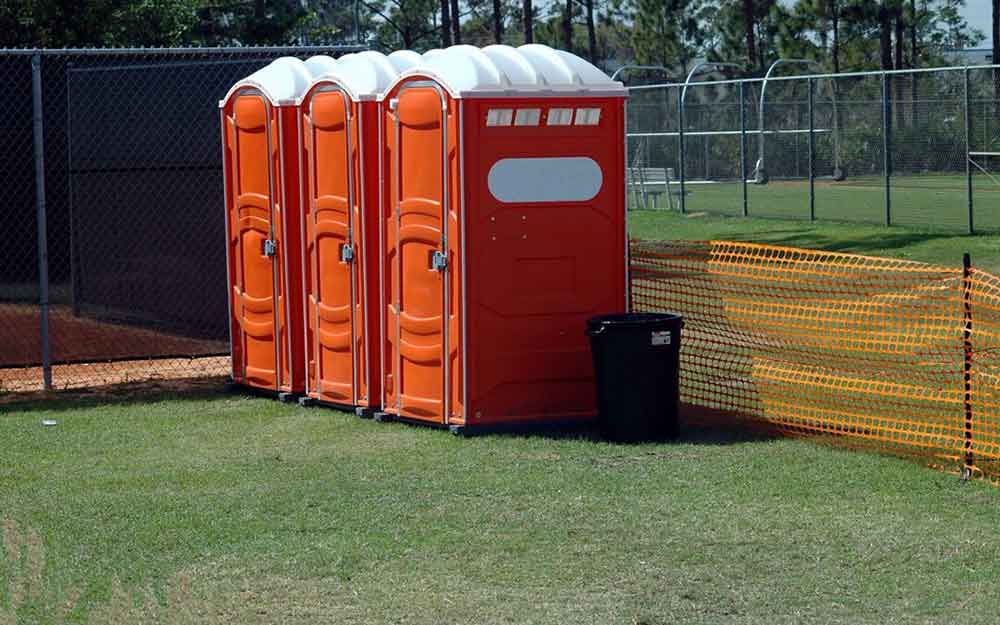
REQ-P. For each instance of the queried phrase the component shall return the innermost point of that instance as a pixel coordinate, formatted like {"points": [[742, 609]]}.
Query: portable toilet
{"points": [[263, 226], [339, 125], [503, 231]]}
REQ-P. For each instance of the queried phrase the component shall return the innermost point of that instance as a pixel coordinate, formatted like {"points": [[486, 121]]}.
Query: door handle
{"points": [[439, 261]]}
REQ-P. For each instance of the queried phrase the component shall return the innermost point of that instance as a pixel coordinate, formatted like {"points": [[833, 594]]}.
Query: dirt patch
{"points": [[76, 339], [22, 383], [93, 353]]}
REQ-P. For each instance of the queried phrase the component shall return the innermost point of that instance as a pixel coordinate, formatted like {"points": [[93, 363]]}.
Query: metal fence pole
{"points": [[968, 150], [43, 253], [743, 148], [680, 140], [74, 278], [886, 146], [967, 370], [812, 155]]}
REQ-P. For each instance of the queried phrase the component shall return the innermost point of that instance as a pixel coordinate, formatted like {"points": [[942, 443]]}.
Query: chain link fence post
{"points": [[968, 148], [812, 152], [43, 253], [743, 148], [682, 153], [887, 147]]}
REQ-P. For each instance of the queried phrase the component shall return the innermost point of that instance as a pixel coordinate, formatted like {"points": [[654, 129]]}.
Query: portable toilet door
{"points": [[503, 232], [339, 129], [418, 286], [259, 128]]}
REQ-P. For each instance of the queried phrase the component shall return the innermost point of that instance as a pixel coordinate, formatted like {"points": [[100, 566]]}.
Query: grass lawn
{"points": [[220, 508], [924, 245], [933, 202], [246, 510]]}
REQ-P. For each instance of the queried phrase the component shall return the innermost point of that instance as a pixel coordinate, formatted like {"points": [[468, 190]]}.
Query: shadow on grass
{"points": [[121, 394], [697, 426], [874, 243]]}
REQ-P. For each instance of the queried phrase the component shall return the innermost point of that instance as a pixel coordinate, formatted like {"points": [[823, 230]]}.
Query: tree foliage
{"points": [[840, 34]]}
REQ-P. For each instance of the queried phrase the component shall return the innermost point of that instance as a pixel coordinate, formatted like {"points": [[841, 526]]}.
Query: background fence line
{"points": [[113, 269], [919, 148], [113, 266]]}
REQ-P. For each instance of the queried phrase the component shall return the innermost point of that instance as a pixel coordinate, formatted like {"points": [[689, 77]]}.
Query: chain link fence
{"points": [[918, 148], [114, 260]]}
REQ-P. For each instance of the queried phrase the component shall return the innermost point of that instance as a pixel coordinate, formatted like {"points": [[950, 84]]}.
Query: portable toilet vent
{"points": [[502, 232]]}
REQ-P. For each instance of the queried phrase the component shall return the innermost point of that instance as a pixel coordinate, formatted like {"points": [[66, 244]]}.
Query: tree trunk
{"points": [[497, 22], [592, 32], [749, 21], [996, 57], [259, 17], [529, 21], [567, 26], [885, 35], [456, 25], [914, 61], [835, 15], [900, 33], [445, 24]]}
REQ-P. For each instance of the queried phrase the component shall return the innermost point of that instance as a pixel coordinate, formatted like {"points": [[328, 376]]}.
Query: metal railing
{"points": [[903, 147], [113, 266]]}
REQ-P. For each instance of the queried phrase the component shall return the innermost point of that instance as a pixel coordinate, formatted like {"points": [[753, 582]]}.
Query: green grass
{"points": [[932, 202], [276, 513], [900, 242], [233, 509]]}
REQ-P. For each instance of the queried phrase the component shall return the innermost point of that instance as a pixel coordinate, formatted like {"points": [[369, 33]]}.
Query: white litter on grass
{"points": [[49, 422]]}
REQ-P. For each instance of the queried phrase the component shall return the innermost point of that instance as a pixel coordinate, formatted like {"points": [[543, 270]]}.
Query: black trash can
{"points": [[636, 366]]}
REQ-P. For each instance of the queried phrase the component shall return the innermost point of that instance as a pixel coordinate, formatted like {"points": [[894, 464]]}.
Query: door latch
{"points": [[270, 247], [346, 253], [439, 261]]}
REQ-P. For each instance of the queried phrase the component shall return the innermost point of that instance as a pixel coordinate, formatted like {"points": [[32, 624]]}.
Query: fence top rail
{"points": [[177, 51], [866, 74]]}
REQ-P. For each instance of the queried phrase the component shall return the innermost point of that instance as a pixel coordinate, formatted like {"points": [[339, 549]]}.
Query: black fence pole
{"points": [[968, 152], [681, 150], [812, 154], [967, 352], [43, 251], [743, 148], [886, 146], [74, 270]]}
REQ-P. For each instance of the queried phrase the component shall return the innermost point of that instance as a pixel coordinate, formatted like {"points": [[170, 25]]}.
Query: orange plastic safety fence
{"points": [[896, 354]]}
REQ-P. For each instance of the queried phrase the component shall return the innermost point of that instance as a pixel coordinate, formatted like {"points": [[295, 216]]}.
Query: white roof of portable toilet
{"points": [[284, 80], [364, 75], [498, 70]]}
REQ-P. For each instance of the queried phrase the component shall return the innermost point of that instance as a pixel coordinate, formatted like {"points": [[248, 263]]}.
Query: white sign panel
{"points": [[547, 179]]}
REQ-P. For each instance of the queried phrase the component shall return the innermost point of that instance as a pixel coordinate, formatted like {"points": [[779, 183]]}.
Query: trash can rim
{"points": [[632, 319]]}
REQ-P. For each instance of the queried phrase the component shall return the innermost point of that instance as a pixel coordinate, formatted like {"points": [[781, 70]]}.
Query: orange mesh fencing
{"points": [[896, 354]]}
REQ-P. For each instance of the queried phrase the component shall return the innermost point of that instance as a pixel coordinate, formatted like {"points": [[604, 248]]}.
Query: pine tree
{"points": [[668, 33]]}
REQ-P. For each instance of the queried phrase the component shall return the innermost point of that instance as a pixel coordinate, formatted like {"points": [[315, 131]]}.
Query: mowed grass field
{"points": [[933, 202], [230, 509], [206, 507]]}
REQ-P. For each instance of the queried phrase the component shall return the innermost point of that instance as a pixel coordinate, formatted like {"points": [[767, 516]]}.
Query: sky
{"points": [[979, 15]]}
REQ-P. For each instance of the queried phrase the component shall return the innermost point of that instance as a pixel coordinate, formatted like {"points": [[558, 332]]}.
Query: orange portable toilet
{"points": [[339, 130], [503, 231], [263, 224]]}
